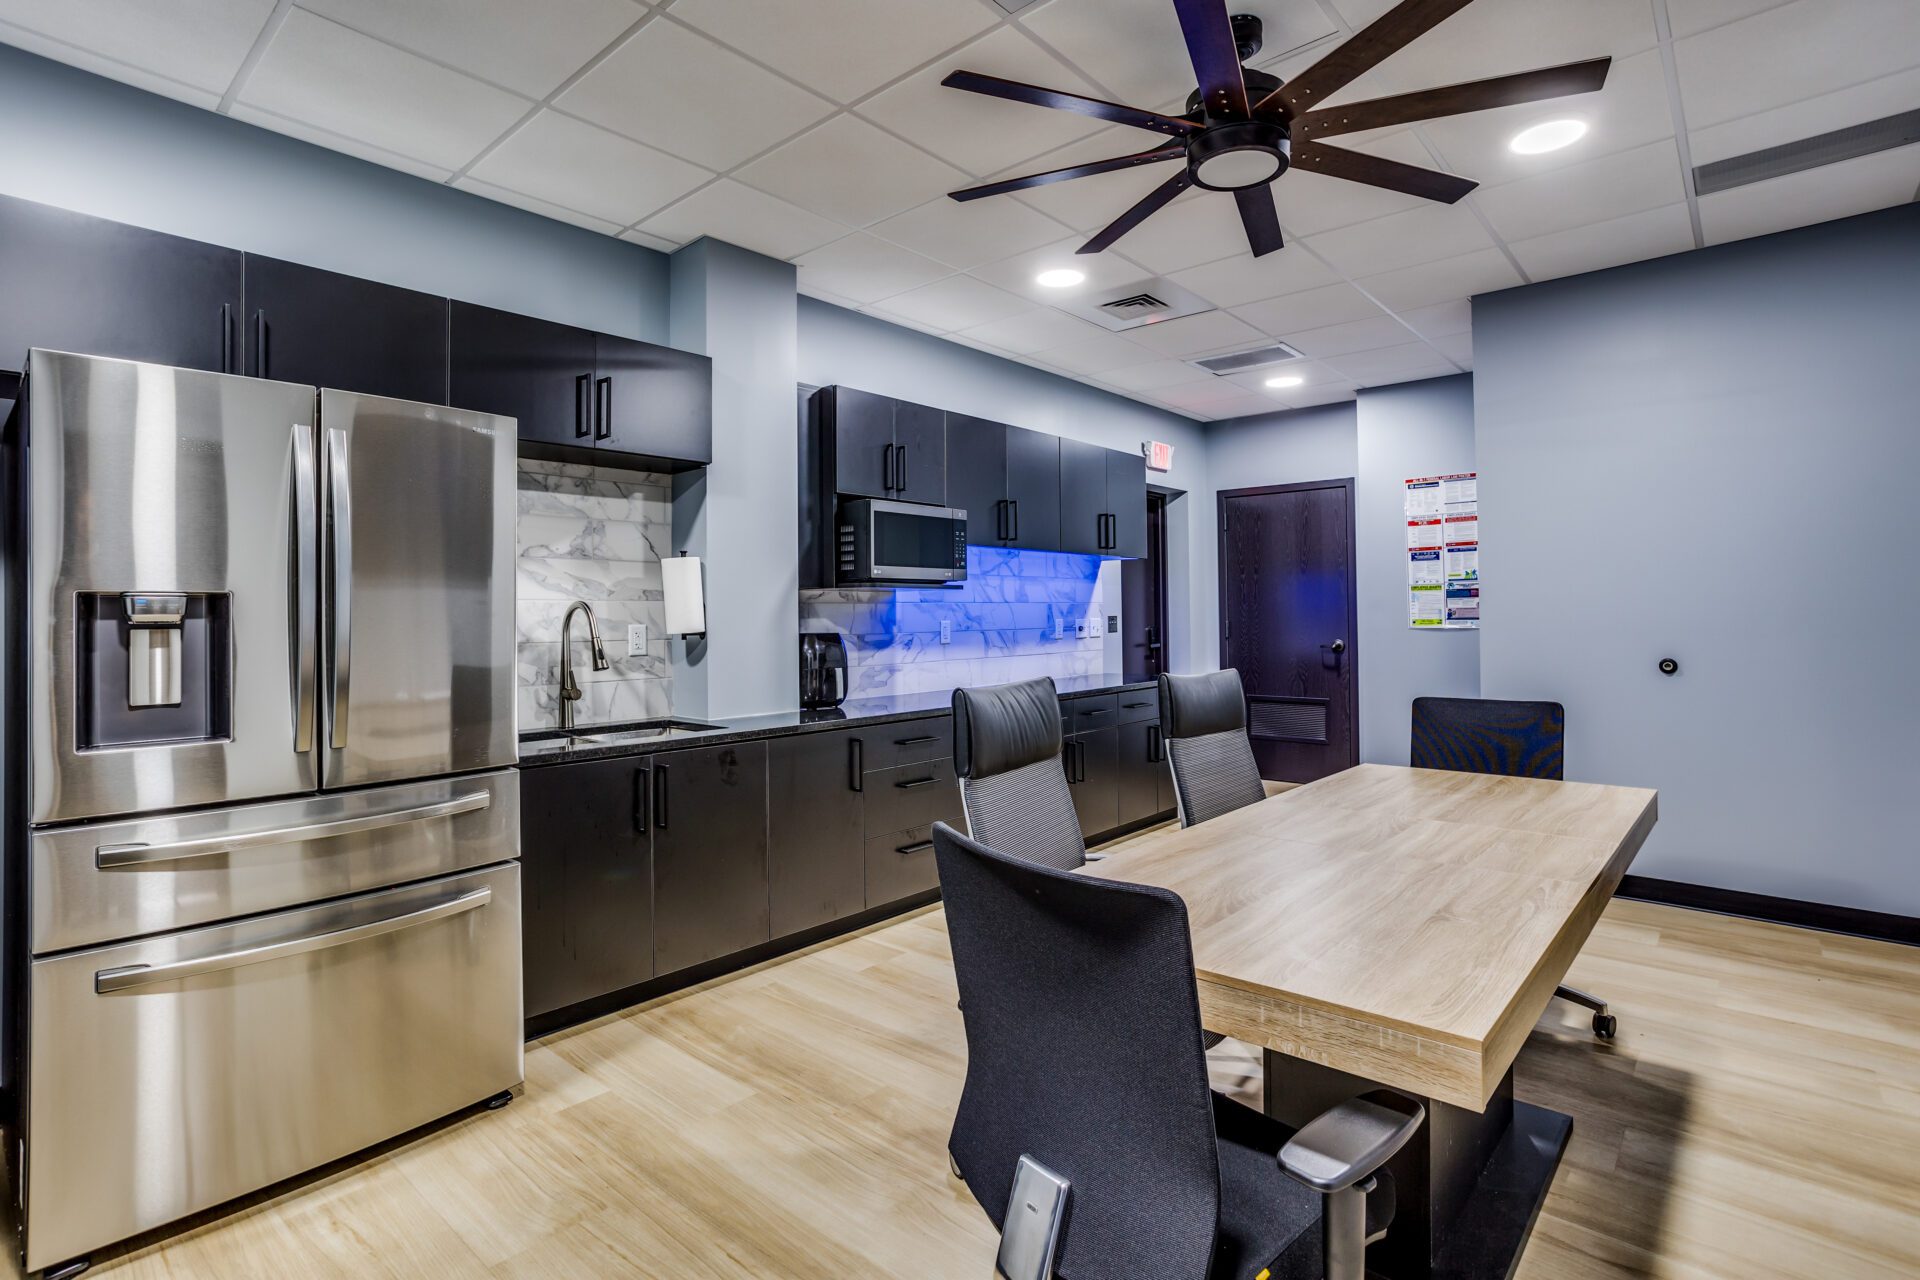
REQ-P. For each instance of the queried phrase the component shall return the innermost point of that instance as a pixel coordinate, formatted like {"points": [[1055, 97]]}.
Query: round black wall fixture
{"points": [[1669, 667]]}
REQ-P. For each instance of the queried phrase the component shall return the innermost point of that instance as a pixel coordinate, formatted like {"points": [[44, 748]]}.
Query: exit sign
{"points": [[1159, 455]]}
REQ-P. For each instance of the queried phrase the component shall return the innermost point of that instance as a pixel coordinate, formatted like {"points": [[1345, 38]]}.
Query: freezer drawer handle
{"points": [[108, 981], [111, 856]]}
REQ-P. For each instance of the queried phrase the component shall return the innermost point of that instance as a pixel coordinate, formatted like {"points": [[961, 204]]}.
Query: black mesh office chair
{"points": [[1140, 1170], [1205, 720], [1013, 787], [1514, 739]]}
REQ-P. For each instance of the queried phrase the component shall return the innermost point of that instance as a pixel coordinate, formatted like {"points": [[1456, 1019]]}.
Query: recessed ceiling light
{"points": [[1286, 380], [1549, 136], [1060, 278]]}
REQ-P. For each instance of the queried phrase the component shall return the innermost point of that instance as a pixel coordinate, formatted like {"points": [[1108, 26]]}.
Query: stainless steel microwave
{"points": [[883, 543]]}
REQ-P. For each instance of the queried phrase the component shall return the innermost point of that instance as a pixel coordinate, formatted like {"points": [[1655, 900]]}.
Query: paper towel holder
{"points": [[683, 596]]}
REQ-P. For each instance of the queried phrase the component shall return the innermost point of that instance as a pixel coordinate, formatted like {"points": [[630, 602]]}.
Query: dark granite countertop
{"points": [[605, 742]]}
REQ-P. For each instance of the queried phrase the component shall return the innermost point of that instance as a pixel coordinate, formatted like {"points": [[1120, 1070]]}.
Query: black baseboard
{"points": [[1759, 906]]}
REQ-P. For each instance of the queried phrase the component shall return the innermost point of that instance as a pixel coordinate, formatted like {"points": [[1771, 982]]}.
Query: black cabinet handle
{"points": [[1090, 712], [1154, 750], [1080, 760], [914, 742], [226, 337], [640, 801], [913, 848], [856, 764], [603, 419], [660, 796], [886, 469], [582, 384], [915, 782], [1014, 505], [1000, 520], [260, 344], [901, 458], [1131, 705]]}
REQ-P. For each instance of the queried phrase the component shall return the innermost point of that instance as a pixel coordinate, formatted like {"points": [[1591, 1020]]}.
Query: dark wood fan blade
{"points": [[1260, 218], [1387, 34], [1172, 151], [1133, 217], [1014, 91], [1216, 59], [1357, 166], [1455, 99]]}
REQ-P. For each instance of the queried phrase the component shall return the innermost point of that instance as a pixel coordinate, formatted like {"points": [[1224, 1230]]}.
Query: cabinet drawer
{"points": [[906, 742], [900, 865], [1092, 711], [1136, 705], [910, 795]]}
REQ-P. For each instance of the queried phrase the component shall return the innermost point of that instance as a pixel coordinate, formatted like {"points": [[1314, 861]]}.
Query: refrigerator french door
{"points": [[272, 901]]}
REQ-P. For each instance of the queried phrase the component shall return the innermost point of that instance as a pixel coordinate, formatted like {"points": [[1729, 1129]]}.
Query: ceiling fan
{"points": [[1243, 128]]}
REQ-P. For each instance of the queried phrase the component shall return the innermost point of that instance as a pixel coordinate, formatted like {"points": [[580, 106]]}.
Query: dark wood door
{"points": [[75, 283], [536, 371], [1093, 775], [815, 830], [920, 446], [1126, 504], [586, 882], [977, 477], [1083, 497], [1143, 595], [709, 822], [1287, 623], [308, 325], [861, 424], [1033, 489], [654, 403]]}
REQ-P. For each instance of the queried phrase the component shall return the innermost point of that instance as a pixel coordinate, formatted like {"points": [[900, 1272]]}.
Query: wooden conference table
{"points": [[1405, 927]]}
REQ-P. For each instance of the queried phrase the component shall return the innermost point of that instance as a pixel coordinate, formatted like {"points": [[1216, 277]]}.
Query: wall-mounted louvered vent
{"points": [[1883, 134], [1241, 361], [1287, 719]]}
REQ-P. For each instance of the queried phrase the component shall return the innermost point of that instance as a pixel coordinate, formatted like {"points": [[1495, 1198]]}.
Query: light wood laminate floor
{"points": [[1758, 1117]]}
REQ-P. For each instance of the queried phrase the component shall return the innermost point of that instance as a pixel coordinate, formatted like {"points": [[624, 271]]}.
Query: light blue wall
{"points": [[96, 146], [845, 347], [1713, 456], [1413, 429]]}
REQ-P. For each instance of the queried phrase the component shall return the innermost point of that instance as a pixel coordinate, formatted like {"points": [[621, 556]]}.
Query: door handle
{"points": [[109, 857], [306, 584], [660, 796], [640, 801], [125, 978], [581, 393], [340, 504], [1338, 646], [603, 421], [886, 469]]}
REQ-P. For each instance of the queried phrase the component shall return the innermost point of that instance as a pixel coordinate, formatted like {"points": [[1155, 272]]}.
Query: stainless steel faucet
{"points": [[569, 687]]}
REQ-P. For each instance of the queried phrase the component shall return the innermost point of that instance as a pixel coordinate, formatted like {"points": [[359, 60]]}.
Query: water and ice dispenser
{"points": [[155, 667]]}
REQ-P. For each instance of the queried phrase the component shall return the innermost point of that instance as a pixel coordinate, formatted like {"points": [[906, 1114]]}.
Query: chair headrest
{"points": [[1005, 727], [1194, 706]]}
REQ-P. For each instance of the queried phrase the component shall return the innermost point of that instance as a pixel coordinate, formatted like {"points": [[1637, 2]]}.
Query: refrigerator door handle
{"points": [[340, 525], [108, 981], [306, 584], [111, 856]]}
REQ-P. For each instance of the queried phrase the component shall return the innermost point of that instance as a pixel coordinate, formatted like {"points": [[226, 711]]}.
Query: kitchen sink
{"points": [[621, 734]]}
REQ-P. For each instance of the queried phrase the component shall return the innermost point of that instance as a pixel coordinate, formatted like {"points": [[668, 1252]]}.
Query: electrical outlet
{"points": [[946, 631], [637, 640]]}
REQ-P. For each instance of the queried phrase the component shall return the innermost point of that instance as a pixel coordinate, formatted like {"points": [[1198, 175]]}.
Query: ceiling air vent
{"points": [[1241, 361], [1136, 303], [1883, 134]]}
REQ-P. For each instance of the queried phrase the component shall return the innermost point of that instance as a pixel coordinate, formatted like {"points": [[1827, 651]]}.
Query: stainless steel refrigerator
{"points": [[263, 641]]}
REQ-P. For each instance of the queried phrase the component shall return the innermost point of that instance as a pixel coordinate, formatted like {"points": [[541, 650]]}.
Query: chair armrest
{"points": [[1350, 1142]]}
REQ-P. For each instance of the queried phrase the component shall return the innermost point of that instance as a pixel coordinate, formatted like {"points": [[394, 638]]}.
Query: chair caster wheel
{"points": [[67, 1270], [499, 1100], [1604, 1025]]}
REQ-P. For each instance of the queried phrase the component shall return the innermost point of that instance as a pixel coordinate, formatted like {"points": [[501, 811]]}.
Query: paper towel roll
{"points": [[686, 602]]}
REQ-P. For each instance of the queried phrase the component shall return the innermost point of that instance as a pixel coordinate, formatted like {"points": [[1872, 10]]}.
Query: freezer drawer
{"points": [[173, 1074], [110, 881]]}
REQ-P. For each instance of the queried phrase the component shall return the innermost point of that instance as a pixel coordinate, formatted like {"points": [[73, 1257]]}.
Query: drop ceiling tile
{"points": [[1310, 203], [1154, 375], [1325, 393], [671, 87], [1577, 195], [742, 216], [1690, 17], [864, 270], [978, 133], [841, 48], [1652, 233], [1384, 365], [1357, 335], [321, 73], [111, 69], [971, 234], [1834, 191], [1218, 399], [1856, 104], [1444, 281], [1443, 319], [528, 48], [1087, 204], [335, 142], [1631, 111], [851, 172], [1033, 330], [1192, 335], [555, 157], [1402, 240], [1095, 352], [1198, 227], [194, 43], [1312, 373], [1243, 278], [958, 302], [1103, 271], [558, 213], [1457, 347], [1796, 51], [1313, 309], [661, 245]]}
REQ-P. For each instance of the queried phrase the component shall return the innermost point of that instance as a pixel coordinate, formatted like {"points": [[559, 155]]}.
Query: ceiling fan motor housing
{"points": [[1239, 154]]}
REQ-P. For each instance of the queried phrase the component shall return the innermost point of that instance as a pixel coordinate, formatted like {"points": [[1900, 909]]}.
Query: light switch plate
{"points": [[637, 640], [946, 631]]}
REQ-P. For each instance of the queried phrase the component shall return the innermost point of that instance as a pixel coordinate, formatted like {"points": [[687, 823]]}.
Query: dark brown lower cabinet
{"points": [[1146, 788], [586, 882], [815, 825], [1093, 769], [708, 815], [900, 864]]}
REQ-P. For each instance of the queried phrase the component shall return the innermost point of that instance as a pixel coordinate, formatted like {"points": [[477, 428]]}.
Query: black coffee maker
{"points": [[823, 670]]}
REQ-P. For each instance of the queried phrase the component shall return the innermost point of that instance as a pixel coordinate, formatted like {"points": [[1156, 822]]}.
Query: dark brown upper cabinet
{"points": [[1083, 497], [308, 325], [879, 447], [653, 402], [1126, 504], [1007, 479]]}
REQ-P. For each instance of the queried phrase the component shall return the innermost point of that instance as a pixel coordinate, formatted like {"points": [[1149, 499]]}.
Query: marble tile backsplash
{"points": [[1015, 617], [593, 534]]}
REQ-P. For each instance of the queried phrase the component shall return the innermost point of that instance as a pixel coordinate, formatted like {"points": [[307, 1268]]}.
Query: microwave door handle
{"points": [[340, 522], [306, 584]]}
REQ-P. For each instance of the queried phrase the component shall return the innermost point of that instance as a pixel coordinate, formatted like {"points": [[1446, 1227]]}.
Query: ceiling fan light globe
{"points": [[1232, 157]]}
